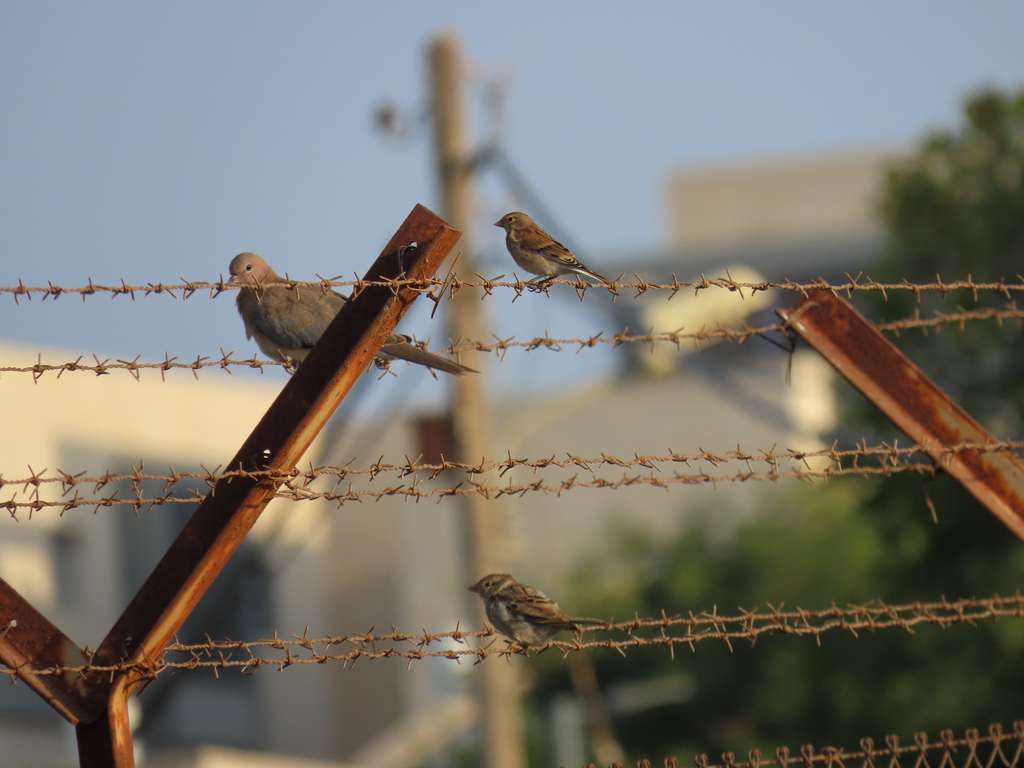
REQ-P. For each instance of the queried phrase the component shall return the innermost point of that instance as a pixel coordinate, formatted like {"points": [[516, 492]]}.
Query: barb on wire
{"points": [[406, 479], [665, 631], [187, 289], [500, 346]]}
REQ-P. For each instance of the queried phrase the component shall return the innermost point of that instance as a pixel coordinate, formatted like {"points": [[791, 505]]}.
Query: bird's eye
{"points": [[248, 267]]}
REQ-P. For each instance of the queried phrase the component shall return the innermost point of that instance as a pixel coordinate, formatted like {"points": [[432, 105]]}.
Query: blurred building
{"points": [[367, 566], [823, 199], [81, 568]]}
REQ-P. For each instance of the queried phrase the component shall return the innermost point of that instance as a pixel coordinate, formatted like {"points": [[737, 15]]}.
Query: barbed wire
{"points": [[500, 346], [885, 452], [415, 493], [437, 287], [745, 625], [134, 367], [885, 460], [836, 757], [295, 485]]}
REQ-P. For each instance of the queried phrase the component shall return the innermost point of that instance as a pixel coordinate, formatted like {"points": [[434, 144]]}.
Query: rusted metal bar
{"points": [[225, 516], [911, 400], [29, 642], [107, 741]]}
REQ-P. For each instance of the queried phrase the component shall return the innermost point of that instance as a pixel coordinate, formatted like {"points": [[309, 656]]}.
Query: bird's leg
{"points": [[540, 284], [517, 647]]}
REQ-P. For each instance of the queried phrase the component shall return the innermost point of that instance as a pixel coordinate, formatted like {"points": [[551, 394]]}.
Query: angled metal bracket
{"points": [[911, 400]]}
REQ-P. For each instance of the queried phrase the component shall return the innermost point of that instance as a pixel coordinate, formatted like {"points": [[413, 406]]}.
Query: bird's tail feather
{"points": [[399, 346], [591, 273]]}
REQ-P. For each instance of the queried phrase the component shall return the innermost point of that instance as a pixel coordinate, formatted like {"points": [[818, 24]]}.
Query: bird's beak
{"points": [[498, 223], [474, 588]]}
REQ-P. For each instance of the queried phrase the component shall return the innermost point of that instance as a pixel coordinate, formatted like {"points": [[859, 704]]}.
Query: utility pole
{"points": [[504, 744]]}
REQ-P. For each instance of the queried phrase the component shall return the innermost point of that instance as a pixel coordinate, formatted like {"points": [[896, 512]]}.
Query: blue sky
{"points": [[151, 141]]}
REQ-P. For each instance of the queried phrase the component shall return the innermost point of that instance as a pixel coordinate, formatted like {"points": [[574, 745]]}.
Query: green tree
{"points": [[955, 208]]}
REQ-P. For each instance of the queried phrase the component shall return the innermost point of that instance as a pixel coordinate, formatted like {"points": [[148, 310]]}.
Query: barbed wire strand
{"points": [[501, 346], [885, 459], [436, 288], [835, 757], [890, 454], [747, 626], [415, 493]]}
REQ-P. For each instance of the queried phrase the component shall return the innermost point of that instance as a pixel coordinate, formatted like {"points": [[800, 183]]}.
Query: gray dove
{"points": [[286, 322]]}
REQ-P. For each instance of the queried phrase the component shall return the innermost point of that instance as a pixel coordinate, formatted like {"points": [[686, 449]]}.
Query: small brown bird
{"points": [[539, 253], [524, 614], [287, 322]]}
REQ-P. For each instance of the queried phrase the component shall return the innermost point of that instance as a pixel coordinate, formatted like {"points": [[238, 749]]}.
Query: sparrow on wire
{"points": [[524, 614], [539, 253], [286, 322]]}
